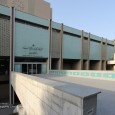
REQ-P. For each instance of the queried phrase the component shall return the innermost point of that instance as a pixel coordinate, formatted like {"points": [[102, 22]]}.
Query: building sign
{"points": [[32, 51]]}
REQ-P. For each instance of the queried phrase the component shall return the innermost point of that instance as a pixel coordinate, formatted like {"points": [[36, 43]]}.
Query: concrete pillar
{"points": [[50, 45], [101, 55], [82, 37], [105, 63], [12, 48], [61, 48], [88, 65]]}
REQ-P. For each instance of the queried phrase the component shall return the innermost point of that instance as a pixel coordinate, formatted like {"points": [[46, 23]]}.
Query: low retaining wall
{"points": [[106, 75], [40, 96]]}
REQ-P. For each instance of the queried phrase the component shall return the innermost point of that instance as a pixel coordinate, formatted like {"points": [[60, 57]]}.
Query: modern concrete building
{"points": [[31, 43], [40, 44], [38, 8]]}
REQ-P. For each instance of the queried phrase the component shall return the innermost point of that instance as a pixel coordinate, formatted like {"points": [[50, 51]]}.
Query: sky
{"points": [[94, 16]]}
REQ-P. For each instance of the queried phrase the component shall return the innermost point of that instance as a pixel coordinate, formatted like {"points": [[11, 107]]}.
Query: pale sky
{"points": [[94, 16]]}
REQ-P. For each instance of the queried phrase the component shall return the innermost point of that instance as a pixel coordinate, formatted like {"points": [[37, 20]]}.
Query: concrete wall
{"points": [[40, 96], [38, 8], [103, 75]]}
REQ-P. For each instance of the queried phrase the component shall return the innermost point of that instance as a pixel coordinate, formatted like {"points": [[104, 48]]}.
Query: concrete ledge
{"points": [[40, 96], [111, 62]]}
